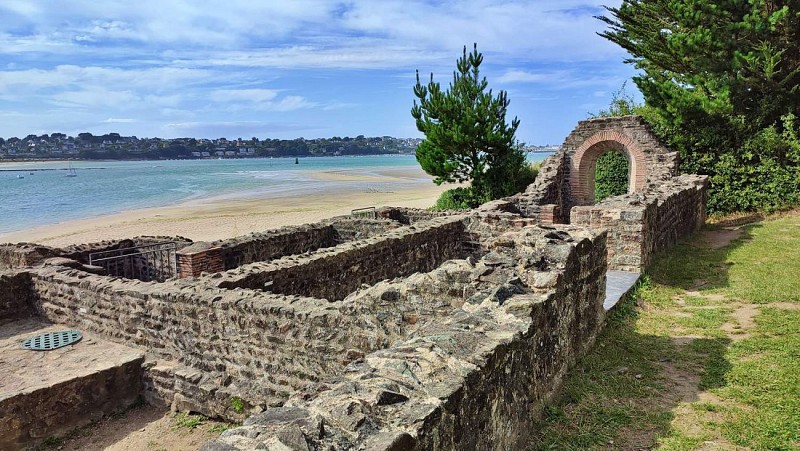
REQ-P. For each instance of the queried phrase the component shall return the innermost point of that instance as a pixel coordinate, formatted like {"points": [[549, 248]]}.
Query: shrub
{"points": [[454, 199], [611, 175]]}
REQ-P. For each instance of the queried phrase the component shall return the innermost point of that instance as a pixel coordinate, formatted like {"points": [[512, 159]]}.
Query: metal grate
{"points": [[52, 340], [368, 212], [148, 262]]}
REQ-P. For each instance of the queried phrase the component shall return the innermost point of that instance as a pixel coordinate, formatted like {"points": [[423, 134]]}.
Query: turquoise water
{"points": [[47, 197]]}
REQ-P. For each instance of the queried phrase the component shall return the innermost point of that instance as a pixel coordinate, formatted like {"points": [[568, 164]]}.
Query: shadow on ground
{"points": [[624, 394]]}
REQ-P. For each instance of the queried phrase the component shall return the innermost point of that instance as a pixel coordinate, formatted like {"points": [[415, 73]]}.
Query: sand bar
{"points": [[229, 216]]}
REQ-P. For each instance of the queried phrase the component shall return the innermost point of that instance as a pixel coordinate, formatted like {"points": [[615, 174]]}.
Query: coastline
{"points": [[244, 212]]}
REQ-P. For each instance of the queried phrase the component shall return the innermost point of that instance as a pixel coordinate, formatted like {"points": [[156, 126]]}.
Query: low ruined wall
{"points": [[543, 199], [265, 246], [334, 273], [20, 255], [27, 254], [15, 296], [641, 224], [477, 379], [28, 419], [256, 346], [409, 216]]}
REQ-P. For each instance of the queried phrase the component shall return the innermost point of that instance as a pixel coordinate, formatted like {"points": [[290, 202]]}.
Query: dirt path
{"points": [[143, 428]]}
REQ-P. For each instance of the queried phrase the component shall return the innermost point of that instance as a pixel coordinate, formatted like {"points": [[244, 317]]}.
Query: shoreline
{"points": [[242, 212]]}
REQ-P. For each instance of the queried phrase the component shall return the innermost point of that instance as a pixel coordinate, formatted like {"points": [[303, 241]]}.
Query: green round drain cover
{"points": [[52, 340]]}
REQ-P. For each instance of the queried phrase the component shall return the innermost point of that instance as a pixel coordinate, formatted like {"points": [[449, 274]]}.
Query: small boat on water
{"points": [[20, 176], [71, 172]]}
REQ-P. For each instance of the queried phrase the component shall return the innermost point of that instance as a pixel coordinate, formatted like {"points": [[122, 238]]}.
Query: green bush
{"points": [[455, 199], [611, 175], [763, 175]]}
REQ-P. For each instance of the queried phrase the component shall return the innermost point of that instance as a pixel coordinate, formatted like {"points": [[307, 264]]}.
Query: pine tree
{"points": [[722, 79], [466, 134]]}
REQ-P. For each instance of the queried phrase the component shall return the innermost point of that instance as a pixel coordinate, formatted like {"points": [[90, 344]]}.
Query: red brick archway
{"points": [[584, 161]]}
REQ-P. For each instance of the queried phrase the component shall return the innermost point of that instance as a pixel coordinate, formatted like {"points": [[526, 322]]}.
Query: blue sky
{"points": [[291, 68]]}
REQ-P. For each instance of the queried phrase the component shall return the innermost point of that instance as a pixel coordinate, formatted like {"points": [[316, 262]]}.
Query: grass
{"points": [[184, 420], [703, 355]]}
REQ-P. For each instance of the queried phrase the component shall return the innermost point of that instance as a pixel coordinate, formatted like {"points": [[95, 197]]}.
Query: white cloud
{"points": [[119, 120]]}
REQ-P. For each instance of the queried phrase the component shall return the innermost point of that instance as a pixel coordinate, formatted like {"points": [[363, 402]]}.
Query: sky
{"points": [[292, 68]]}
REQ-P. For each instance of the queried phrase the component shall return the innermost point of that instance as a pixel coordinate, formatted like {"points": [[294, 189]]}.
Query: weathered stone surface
{"points": [[641, 224], [417, 330], [333, 273], [459, 382], [16, 296], [47, 393]]}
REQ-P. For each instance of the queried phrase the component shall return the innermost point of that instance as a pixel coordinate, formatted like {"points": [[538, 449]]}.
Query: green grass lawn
{"points": [[704, 355]]}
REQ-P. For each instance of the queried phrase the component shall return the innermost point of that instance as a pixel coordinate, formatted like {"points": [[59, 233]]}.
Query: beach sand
{"points": [[221, 218]]}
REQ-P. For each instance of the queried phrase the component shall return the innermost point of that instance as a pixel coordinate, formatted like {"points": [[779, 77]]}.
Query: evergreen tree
{"points": [[466, 134], [721, 79]]}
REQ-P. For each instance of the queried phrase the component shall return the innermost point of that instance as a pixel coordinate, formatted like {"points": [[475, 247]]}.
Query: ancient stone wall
{"points": [[20, 255], [643, 223], [333, 273], [253, 345], [543, 199], [409, 216], [228, 254], [648, 159], [15, 296], [478, 378], [29, 418]]}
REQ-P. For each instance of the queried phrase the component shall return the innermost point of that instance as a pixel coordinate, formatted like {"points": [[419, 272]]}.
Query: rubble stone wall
{"points": [[253, 345], [478, 378], [641, 224], [30, 418], [15, 296], [544, 199], [228, 254], [408, 216], [335, 272]]}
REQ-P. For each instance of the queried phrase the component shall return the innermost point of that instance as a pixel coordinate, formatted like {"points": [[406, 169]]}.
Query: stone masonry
{"points": [[415, 330]]}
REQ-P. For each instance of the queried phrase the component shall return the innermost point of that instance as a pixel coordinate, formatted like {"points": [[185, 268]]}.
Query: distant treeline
{"points": [[112, 146]]}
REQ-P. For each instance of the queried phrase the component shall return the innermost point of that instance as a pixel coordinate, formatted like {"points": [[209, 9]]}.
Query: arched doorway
{"points": [[583, 166]]}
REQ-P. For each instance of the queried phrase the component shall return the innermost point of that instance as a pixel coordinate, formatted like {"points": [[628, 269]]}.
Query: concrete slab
{"points": [[44, 393], [618, 284]]}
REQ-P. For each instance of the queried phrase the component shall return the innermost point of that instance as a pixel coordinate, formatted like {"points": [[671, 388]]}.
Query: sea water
{"points": [[45, 196]]}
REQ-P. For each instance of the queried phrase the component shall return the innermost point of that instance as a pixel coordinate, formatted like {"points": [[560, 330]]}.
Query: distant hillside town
{"points": [[112, 146]]}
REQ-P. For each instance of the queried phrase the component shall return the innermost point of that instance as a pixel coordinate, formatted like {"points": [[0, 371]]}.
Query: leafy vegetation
{"points": [[702, 355], [721, 81], [184, 420], [237, 404], [611, 175], [467, 138]]}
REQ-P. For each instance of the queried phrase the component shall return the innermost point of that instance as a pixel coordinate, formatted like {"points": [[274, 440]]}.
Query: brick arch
{"points": [[584, 161]]}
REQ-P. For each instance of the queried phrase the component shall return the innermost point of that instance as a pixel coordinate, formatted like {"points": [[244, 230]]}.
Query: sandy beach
{"points": [[220, 218]]}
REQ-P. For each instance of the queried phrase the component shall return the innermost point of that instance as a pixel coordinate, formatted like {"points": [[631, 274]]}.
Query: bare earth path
{"points": [[143, 428]]}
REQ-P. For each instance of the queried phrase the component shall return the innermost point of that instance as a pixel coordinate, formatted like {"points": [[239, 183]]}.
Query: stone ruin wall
{"points": [[641, 224], [544, 199], [476, 379], [228, 254], [16, 296], [292, 240], [333, 273], [214, 344], [410, 216], [452, 332], [649, 160]]}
